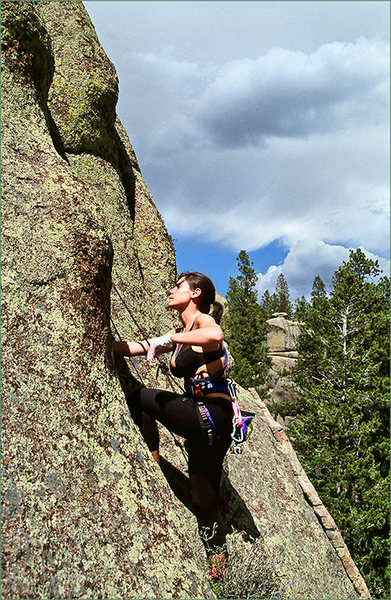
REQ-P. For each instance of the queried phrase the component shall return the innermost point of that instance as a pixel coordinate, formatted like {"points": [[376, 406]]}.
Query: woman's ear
{"points": [[196, 293]]}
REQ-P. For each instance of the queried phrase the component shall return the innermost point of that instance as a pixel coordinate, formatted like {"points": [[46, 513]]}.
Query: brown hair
{"points": [[208, 293]]}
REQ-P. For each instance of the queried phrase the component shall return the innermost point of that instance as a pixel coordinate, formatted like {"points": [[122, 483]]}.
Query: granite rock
{"points": [[86, 256]]}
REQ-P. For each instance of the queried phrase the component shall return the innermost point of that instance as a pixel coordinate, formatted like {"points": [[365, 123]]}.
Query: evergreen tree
{"points": [[280, 298], [244, 328], [278, 301], [341, 427], [300, 309], [267, 305], [318, 292]]}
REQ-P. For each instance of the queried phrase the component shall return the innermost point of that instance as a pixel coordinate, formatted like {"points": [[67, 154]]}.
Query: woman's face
{"points": [[180, 294]]}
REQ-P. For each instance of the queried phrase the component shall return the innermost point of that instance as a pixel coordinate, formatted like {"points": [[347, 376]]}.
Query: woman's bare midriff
{"points": [[215, 395]]}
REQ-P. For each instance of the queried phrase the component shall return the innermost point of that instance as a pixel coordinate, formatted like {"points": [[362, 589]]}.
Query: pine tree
{"points": [[244, 329], [280, 298], [278, 301], [341, 427], [267, 305], [318, 292], [300, 309]]}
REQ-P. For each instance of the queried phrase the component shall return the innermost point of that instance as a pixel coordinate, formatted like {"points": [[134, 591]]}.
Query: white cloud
{"points": [[290, 145], [328, 187], [287, 93], [307, 259], [287, 139]]}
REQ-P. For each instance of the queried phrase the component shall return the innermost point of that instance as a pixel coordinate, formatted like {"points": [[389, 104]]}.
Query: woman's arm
{"points": [[130, 348], [206, 333], [141, 348]]}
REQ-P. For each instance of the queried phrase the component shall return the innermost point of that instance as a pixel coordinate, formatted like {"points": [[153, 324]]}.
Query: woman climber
{"points": [[203, 414]]}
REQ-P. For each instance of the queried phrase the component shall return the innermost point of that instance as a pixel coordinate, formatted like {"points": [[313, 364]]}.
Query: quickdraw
{"points": [[241, 423], [240, 434]]}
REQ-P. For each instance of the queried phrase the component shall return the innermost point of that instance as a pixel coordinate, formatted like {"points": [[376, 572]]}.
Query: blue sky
{"points": [[261, 126]]}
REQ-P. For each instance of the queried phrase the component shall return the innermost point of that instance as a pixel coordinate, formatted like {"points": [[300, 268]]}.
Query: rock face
{"points": [[86, 512], [281, 342]]}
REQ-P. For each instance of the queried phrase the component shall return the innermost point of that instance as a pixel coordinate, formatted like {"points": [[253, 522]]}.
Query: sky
{"points": [[260, 126]]}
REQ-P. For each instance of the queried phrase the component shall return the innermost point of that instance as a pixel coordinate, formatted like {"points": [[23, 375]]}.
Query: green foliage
{"points": [[278, 301], [342, 423], [245, 330], [300, 309], [250, 573], [318, 292], [267, 305], [282, 296]]}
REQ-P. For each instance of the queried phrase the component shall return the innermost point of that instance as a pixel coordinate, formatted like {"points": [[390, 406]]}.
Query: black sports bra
{"points": [[188, 361]]}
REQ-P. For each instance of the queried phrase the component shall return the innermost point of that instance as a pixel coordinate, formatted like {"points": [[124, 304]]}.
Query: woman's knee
{"points": [[141, 404], [154, 400], [147, 401], [145, 395]]}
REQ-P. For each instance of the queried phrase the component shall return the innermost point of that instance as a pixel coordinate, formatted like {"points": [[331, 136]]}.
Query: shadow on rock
{"points": [[236, 515], [235, 512], [129, 384]]}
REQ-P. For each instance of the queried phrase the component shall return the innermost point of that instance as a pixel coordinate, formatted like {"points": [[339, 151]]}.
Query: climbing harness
{"points": [[207, 424], [197, 388], [242, 421]]}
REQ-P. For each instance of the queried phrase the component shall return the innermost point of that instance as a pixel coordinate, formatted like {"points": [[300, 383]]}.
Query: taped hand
{"points": [[161, 342]]}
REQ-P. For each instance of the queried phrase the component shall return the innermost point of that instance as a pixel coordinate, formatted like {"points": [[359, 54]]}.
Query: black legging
{"points": [[178, 414]]}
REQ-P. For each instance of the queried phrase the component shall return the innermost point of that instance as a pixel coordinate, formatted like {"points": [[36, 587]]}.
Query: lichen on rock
{"points": [[86, 512], [76, 472], [84, 90]]}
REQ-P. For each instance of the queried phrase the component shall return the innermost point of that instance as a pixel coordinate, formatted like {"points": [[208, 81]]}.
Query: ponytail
{"points": [[217, 311]]}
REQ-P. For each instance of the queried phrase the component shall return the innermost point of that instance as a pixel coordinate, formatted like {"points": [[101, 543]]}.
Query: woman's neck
{"points": [[189, 315]]}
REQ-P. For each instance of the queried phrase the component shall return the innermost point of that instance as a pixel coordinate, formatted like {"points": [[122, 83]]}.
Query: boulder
{"points": [[281, 341], [86, 513], [282, 333]]}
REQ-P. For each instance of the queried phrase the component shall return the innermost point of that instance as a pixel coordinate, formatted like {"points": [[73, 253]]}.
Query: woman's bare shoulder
{"points": [[204, 320]]}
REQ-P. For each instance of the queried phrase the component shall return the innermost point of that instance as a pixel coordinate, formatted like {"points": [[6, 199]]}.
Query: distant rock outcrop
{"points": [[86, 512], [282, 336], [281, 341]]}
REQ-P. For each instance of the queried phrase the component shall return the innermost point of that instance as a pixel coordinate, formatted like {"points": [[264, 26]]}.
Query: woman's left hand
{"points": [[158, 343]]}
